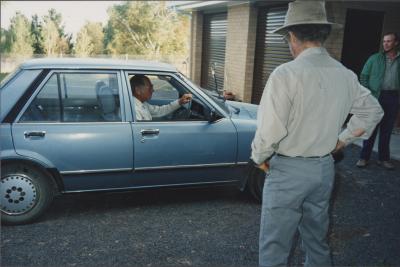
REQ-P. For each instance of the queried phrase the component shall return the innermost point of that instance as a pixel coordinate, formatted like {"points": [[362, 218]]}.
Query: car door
{"points": [[75, 123], [173, 150]]}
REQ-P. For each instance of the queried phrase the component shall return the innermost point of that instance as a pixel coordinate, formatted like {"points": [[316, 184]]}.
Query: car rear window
{"points": [[76, 97], [14, 88]]}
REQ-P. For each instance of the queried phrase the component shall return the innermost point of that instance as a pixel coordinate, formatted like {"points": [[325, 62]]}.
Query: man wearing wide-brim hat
{"points": [[304, 105]]}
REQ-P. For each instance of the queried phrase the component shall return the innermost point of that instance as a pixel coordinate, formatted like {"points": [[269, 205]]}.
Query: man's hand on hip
{"points": [[264, 166]]}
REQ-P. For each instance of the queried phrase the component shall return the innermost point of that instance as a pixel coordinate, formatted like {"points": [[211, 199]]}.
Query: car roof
{"points": [[96, 63]]}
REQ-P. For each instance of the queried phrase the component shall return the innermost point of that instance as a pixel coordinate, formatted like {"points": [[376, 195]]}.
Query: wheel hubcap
{"points": [[18, 194]]}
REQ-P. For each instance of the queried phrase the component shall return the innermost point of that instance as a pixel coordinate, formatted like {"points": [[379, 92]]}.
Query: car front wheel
{"points": [[25, 193]]}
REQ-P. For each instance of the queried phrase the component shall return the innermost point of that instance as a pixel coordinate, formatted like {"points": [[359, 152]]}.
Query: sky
{"points": [[74, 13]]}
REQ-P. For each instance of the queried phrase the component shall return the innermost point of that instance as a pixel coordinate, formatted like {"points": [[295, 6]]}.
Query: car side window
{"points": [[76, 97], [163, 89], [46, 105], [167, 89]]}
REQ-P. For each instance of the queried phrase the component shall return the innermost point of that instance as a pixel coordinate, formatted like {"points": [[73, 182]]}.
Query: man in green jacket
{"points": [[381, 75]]}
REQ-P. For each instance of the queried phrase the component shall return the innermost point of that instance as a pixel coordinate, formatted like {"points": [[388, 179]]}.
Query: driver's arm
{"points": [[160, 111]]}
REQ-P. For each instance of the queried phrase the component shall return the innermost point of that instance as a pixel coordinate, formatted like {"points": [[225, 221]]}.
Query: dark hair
{"points": [[137, 81], [311, 32], [396, 36]]}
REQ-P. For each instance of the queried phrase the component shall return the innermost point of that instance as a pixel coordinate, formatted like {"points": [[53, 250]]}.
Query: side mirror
{"points": [[213, 116]]}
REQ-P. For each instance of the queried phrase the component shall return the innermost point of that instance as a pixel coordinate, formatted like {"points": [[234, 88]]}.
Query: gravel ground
{"points": [[204, 226]]}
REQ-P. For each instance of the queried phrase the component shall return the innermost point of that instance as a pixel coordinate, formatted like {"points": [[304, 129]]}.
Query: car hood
{"points": [[242, 110]]}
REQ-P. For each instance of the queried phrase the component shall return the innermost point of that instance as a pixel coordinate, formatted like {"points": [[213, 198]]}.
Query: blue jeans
{"points": [[296, 196], [389, 101]]}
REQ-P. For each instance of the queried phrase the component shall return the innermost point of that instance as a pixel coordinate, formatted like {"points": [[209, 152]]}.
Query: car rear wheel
{"points": [[255, 182], [25, 193]]}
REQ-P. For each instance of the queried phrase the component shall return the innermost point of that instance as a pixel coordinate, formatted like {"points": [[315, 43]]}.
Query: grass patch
{"points": [[2, 75]]}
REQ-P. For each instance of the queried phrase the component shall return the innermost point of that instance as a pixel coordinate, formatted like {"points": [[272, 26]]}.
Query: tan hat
{"points": [[302, 12]]}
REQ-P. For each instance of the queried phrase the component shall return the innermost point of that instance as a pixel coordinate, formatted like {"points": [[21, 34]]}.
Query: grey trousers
{"points": [[296, 196]]}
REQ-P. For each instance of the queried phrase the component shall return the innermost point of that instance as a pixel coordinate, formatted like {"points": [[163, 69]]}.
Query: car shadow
{"points": [[78, 204]]}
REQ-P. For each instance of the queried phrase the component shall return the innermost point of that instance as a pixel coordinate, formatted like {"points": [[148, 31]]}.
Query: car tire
{"points": [[255, 182], [26, 192]]}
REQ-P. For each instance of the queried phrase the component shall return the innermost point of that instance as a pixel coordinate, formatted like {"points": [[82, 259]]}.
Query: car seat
{"points": [[107, 103]]}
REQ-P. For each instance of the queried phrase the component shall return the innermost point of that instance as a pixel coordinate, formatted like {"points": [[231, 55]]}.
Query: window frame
{"points": [[204, 99], [79, 71]]}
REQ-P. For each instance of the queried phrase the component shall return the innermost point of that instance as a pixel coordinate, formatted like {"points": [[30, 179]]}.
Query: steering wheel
{"points": [[188, 105], [184, 112]]}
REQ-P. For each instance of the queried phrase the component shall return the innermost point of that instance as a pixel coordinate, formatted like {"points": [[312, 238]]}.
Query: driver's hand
{"points": [[186, 98]]}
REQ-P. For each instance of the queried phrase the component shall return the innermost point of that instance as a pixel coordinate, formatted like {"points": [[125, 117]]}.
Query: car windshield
{"points": [[212, 94]]}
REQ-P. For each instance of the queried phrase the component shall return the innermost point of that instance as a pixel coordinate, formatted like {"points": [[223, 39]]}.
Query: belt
{"points": [[313, 157]]}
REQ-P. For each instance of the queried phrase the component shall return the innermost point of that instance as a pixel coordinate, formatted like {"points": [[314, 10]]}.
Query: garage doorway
{"points": [[362, 37], [271, 49], [214, 43]]}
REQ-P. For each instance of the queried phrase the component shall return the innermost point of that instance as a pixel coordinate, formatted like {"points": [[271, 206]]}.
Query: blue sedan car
{"points": [[68, 125]]}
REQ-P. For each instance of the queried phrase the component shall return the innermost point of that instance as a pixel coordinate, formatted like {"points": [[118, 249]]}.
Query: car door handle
{"points": [[150, 131], [35, 134]]}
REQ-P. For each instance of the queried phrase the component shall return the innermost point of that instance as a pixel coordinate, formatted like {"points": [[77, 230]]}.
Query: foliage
{"points": [[5, 41], [27, 37], [50, 37], [90, 40], [84, 46], [2, 76], [20, 35], [56, 18], [36, 31], [55, 41], [146, 28]]}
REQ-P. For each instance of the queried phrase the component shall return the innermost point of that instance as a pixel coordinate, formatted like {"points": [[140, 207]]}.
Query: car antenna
{"points": [[213, 68]]}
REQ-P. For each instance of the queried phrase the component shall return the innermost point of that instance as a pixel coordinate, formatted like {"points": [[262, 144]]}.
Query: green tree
{"points": [[83, 46], [36, 31], [89, 40], [146, 28], [55, 41], [57, 19], [108, 36], [20, 35], [5, 41], [65, 42], [5, 38], [50, 36]]}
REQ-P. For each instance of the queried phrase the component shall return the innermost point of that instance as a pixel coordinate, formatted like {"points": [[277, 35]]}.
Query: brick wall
{"points": [[196, 45], [240, 49], [334, 43], [241, 37]]}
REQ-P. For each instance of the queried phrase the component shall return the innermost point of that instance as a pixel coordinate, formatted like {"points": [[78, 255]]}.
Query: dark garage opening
{"points": [[362, 37]]}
